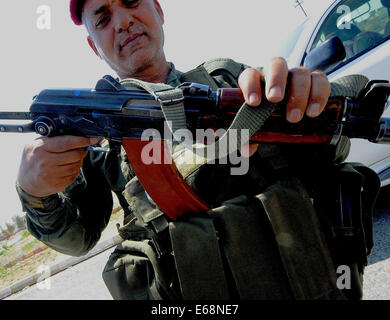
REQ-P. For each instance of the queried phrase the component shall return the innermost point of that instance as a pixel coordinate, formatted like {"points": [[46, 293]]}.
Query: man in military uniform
{"points": [[67, 192]]}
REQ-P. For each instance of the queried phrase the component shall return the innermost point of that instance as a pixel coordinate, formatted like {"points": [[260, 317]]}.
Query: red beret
{"points": [[76, 9]]}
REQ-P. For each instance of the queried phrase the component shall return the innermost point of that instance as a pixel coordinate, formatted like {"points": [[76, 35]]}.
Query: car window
{"points": [[360, 24], [290, 44]]}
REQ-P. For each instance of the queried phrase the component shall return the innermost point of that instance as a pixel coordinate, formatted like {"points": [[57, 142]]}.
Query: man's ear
{"points": [[93, 47], [159, 10]]}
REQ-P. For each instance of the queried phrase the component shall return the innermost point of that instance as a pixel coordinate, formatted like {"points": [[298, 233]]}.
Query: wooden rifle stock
{"points": [[277, 129]]}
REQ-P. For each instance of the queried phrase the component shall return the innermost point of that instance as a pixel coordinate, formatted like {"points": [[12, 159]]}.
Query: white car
{"points": [[364, 28]]}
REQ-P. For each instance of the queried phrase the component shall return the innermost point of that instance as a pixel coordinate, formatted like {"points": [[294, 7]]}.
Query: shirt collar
{"points": [[174, 76]]}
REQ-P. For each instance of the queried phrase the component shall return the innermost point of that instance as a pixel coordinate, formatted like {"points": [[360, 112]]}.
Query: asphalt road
{"points": [[377, 273], [84, 281]]}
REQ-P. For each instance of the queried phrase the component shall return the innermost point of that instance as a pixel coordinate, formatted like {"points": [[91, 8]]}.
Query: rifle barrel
{"points": [[16, 115]]}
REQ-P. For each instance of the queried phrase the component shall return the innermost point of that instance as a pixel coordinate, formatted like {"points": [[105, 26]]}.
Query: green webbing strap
{"points": [[170, 98], [147, 213], [348, 86], [223, 64], [248, 120], [199, 75]]}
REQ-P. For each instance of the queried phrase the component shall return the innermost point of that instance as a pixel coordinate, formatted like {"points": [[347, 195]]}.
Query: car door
{"points": [[364, 28]]}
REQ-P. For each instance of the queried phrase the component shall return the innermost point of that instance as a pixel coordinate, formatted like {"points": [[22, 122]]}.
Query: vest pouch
{"points": [[345, 204], [133, 272], [198, 259], [300, 240], [141, 267], [251, 254]]}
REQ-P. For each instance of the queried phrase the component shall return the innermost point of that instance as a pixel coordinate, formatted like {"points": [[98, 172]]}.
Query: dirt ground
{"points": [[46, 256]]}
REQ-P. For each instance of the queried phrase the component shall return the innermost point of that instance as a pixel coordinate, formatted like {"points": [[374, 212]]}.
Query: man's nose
{"points": [[122, 19]]}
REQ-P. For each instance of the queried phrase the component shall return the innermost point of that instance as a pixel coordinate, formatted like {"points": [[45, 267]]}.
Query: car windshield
{"points": [[289, 45]]}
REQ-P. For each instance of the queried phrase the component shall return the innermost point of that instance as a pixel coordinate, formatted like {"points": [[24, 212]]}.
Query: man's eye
{"points": [[102, 22], [130, 3]]}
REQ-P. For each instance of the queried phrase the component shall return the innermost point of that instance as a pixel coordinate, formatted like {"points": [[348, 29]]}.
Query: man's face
{"points": [[127, 34]]}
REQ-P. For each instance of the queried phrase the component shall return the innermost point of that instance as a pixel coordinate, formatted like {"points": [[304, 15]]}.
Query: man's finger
{"points": [[68, 170], [60, 144], [249, 82], [68, 157], [276, 79], [249, 149], [319, 95], [300, 87], [64, 182], [57, 172]]}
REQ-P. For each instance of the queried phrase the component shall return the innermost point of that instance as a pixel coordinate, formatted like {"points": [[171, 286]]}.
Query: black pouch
{"points": [[129, 273], [141, 268], [345, 204], [134, 272]]}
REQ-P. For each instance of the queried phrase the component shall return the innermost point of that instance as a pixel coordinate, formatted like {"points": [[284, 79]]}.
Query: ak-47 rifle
{"points": [[117, 113]]}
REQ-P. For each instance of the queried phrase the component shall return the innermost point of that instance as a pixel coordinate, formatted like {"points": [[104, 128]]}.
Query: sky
{"points": [[36, 54]]}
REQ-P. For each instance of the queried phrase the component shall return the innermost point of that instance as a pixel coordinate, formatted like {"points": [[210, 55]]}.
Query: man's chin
{"points": [[132, 68]]}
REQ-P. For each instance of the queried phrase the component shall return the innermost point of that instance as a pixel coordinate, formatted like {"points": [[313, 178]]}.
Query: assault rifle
{"points": [[120, 114]]}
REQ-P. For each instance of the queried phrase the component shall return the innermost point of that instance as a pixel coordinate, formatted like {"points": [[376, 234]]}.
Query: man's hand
{"points": [[49, 165], [309, 91]]}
